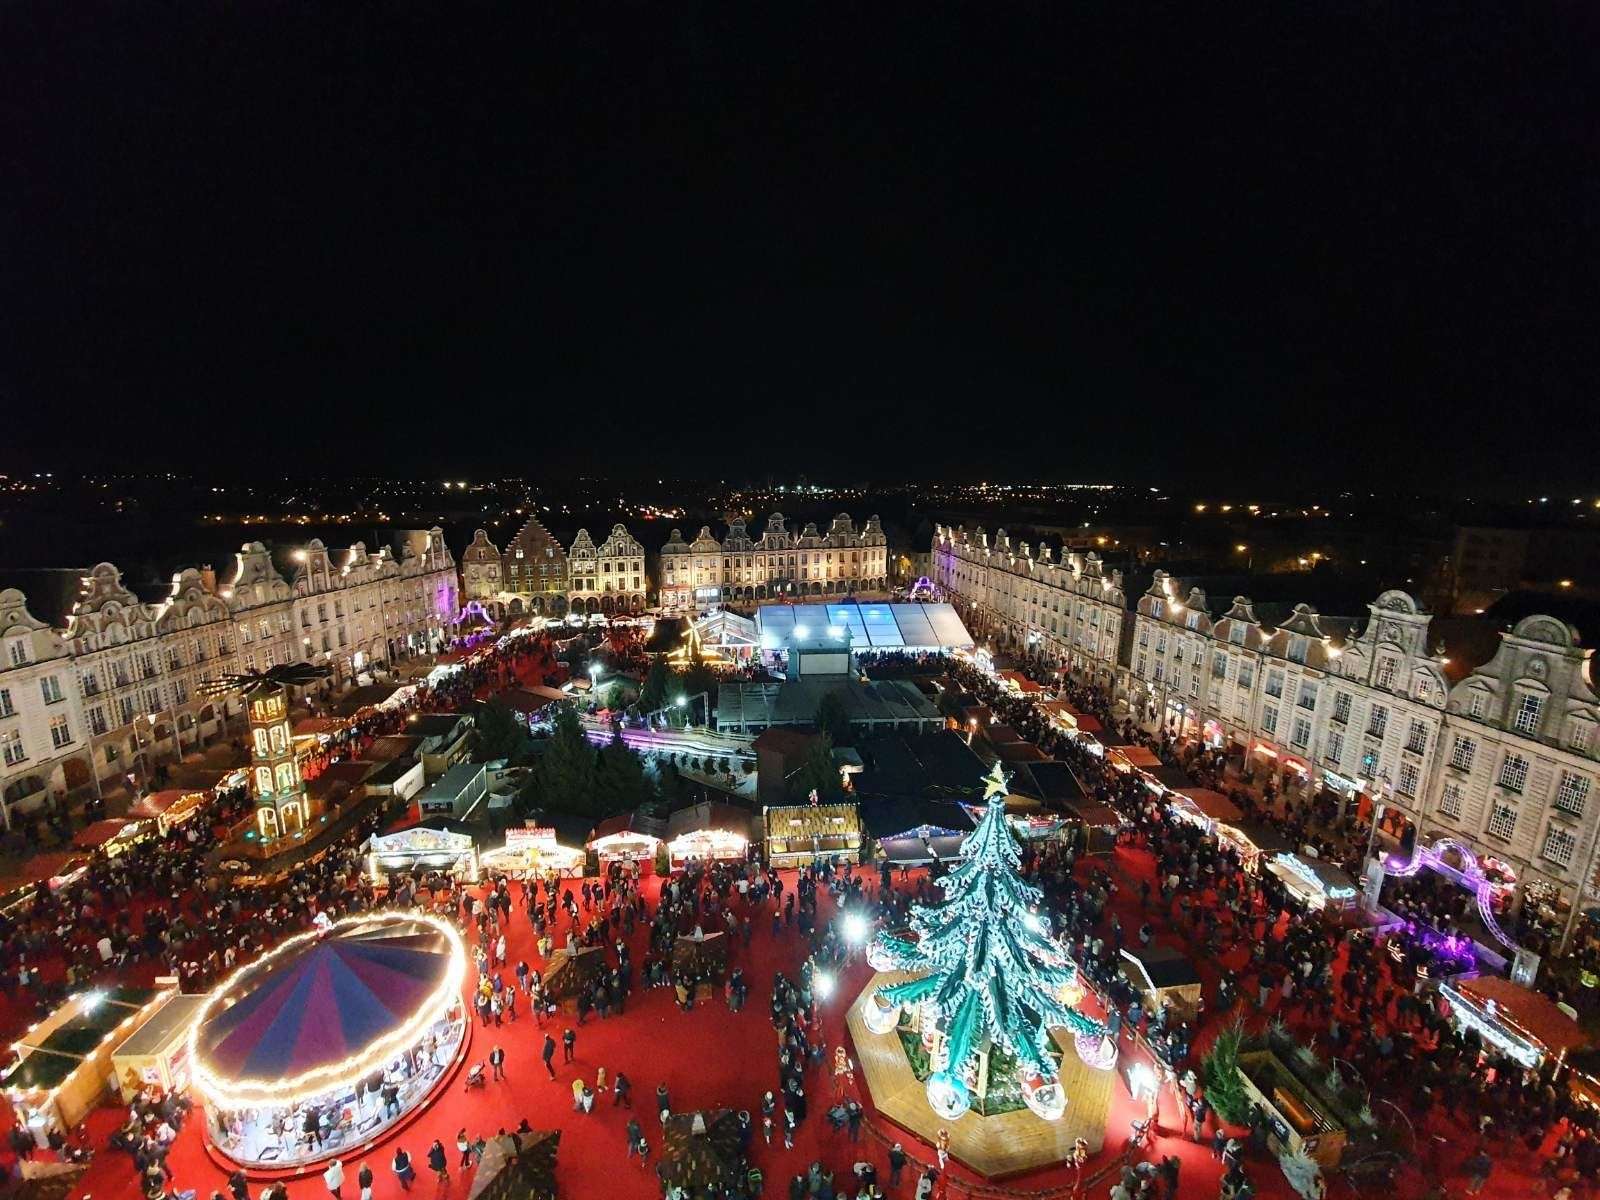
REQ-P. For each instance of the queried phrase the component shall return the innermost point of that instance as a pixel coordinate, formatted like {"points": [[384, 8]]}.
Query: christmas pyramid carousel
{"points": [[973, 1008]]}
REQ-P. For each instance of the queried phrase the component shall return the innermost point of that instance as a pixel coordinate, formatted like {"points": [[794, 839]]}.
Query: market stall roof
{"points": [[325, 1001], [174, 1014], [1329, 876], [370, 696], [39, 868], [393, 746], [420, 839], [1262, 836], [891, 817], [99, 833], [1162, 966], [533, 699], [1095, 812], [1054, 782], [39, 1070], [707, 816], [1089, 724], [1532, 1013], [1214, 804], [1139, 756], [310, 726], [1170, 776], [157, 803], [635, 824]]}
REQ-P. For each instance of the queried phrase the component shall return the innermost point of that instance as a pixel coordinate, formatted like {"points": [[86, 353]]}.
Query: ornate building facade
{"points": [[529, 576], [1067, 613], [777, 565], [608, 578], [1502, 761], [119, 684]]}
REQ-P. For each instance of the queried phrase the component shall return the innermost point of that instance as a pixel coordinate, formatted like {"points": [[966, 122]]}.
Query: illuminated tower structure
{"points": [[282, 806]]}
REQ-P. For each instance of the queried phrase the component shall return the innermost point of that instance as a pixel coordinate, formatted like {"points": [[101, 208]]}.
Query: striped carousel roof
{"points": [[325, 1002]]}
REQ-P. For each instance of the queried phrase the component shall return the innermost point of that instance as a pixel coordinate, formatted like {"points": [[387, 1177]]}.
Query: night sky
{"points": [[1183, 243]]}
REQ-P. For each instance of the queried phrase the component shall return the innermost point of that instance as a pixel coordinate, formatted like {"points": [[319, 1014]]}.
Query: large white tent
{"points": [[870, 626]]}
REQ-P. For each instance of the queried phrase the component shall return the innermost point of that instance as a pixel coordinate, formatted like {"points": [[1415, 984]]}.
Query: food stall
{"points": [[1317, 884], [798, 834], [169, 808], [630, 839], [1164, 976], [909, 832], [1205, 807], [1518, 1021], [1254, 841], [533, 851], [113, 836], [1297, 1120], [1132, 758], [421, 847], [156, 1053], [708, 832], [64, 1062]]}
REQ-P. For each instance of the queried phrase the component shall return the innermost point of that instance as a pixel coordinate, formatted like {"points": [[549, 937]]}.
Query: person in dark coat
{"points": [[437, 1162], [548, 1054]]}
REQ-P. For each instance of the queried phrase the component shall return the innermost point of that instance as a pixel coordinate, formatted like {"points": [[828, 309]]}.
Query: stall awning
{"points": [[1138, 756], [1088, 724], [98, 834], [1161, 966], [1533, 1015], [1214, 804], [1174, 778]]}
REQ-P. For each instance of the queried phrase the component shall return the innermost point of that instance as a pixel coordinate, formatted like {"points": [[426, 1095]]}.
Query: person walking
{"points": [[333, 1178], [942, 1148], [464, 1147], [622, 1092], [569, 1039], [1477, 1168], [403, 1170], [497, 1062], [548, 1054], [897, 1163], [437, 1162], [364, 1181], [663, 1101]]}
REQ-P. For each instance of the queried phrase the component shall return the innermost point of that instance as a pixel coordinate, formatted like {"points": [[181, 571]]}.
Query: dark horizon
{"points": [[698, 242]]}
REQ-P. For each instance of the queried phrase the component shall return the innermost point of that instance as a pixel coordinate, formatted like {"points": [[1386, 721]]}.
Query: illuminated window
{"points": [[261, 742], [264, 781], [1406, 785]]}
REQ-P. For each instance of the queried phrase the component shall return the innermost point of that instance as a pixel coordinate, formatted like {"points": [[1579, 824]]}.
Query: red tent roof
{"points": [[1528, 1011], [1214, 804], [99, 833]]}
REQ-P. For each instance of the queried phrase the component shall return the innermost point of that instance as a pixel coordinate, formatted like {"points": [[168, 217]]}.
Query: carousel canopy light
{"points": [[283, 1013]]}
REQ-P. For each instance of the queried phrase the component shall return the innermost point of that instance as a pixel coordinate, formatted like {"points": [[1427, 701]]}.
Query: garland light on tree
{"points": [[990, 976]]}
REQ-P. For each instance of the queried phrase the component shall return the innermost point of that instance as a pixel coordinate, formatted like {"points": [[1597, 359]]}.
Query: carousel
{"points": [[330, 1040]]}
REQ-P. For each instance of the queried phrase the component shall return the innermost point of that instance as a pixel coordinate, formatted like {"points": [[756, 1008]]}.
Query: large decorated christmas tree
{"points": [[989, 976]]}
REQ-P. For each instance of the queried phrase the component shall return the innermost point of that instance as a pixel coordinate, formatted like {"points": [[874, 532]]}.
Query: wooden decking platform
{"points": [[996, 1147]]}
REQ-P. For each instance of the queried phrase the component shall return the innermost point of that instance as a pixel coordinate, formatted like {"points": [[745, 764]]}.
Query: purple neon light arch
{"points": [[1423, 856]]}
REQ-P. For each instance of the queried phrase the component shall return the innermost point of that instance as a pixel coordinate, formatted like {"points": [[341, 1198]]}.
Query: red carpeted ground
{"points": [[707, 1058]]}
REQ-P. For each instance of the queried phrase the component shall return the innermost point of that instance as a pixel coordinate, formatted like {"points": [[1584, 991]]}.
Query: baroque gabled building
{"points": [[529, 576], [740, 569], [1067, 613], [608, 578], [44, 745]]}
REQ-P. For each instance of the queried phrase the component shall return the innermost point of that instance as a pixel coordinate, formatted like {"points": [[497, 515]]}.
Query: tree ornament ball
{"points": [[948, 1096], [1097, 1050], [1046, 1099], [880, 1015]]}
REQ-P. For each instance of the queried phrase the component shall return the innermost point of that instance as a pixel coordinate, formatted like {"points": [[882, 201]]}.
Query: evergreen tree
{"points": [[501, 734], [567, 771], [989, 970], [833, 720], [1224, 1084], [818, 773], [620, 784], [657, 684]]}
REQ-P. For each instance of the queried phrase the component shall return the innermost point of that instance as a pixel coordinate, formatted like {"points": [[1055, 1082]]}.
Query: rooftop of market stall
{"points": [[421, 847], [799, 833], [1318, 884], [1164, 974], [916, 831], [632, 836], [708, 831], [1520, 1022]]}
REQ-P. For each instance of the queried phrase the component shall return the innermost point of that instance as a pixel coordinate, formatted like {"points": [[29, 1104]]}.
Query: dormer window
{"points": [[1529, 708], [1297, 647], [1386, 669], [1478, 705], [1236, 633]]}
